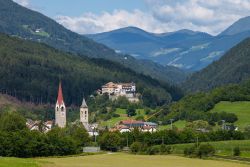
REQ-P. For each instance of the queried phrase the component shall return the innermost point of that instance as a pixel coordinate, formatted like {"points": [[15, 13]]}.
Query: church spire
{"points": [[84, 104], [60, 95]]}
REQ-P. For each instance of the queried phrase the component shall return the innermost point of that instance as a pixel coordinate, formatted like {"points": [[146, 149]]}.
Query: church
{"points": [[61, 112]]}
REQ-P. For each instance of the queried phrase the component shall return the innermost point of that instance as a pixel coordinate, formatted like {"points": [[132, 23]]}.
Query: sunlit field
{"points": [[117, 160]]}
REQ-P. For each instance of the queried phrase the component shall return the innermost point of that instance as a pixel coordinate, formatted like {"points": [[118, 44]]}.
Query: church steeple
{"points": [[84, 114], [84, 104], [60, 95], [60, 109]]}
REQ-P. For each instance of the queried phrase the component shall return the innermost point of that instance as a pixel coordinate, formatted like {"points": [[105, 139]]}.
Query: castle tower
{"points": [[60, 109], [84, 114]]}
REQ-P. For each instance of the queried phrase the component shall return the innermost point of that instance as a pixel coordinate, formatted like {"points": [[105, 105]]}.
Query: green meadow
{"points": [[223, 148], [241, 109], [117, 160]]}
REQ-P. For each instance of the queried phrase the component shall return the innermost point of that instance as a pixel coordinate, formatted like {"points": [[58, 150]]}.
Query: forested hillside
{"points": [[233, 67], [22, 22], [31, 72], [197, 106]]}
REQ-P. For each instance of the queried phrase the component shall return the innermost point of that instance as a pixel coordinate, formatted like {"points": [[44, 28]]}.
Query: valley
{"points": [[105, 92]]}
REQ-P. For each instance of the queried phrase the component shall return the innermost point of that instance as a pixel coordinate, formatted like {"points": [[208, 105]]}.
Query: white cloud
{"points": [[24, 3], [211, 16], [92, 23]]}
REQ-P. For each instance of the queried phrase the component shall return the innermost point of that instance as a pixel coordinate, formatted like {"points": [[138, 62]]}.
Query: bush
{"points": [[164, 149], [115, 115], [135, 147], [236, 151], [205, 150], [153, 150], [110, 141], [190, 151]]}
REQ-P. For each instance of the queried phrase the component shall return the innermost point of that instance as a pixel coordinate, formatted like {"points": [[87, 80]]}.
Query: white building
{"points": [[114, 90]]}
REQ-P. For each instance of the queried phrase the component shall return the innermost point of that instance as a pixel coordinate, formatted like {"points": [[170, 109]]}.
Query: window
{"points": [[85, 112], [57, 108], [62, 108]]}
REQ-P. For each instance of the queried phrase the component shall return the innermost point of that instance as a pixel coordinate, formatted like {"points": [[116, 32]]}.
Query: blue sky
{"points": [[78, 7], [158, 16]]}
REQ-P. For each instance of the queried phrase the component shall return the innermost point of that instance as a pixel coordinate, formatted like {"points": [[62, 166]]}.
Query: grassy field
{"points": [[222, 147], [118, 160], [18, 162], [241, 109], [123, 116], [178, 124]]}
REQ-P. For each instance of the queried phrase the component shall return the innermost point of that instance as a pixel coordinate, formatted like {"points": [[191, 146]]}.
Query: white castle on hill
{"points": [[114, 90]]}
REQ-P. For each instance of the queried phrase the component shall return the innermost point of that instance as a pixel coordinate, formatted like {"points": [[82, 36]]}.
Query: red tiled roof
{"points": [[131, 122], [60, 95]]}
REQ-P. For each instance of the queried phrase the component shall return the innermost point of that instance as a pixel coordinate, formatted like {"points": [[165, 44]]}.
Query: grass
{"points": [[179, 124], [224, 148], [18, 162], [241, 109], [122, 160], [123, 116]]}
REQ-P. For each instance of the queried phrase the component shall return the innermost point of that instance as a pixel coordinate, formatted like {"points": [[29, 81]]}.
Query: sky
{"points": [[157, 16]]}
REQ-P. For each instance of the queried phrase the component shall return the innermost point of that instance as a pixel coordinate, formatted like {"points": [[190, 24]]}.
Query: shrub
{"points": [[164, 149], [115, 115], [205, 150], [153, 150], [190, 151], [135, 147], [236, 151], [110, 141]]}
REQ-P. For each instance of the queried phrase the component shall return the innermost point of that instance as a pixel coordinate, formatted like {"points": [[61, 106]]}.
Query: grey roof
{"points": [[84, 104]]}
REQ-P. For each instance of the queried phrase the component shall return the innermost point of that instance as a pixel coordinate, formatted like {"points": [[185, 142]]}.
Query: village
{"points": [[113, 90]]}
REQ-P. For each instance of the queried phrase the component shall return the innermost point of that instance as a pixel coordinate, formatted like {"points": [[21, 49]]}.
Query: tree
{"points": [[205, 150], [12, 121], [199, 124], [78, 132], [110, 141], [131, 112], [135, 147]]}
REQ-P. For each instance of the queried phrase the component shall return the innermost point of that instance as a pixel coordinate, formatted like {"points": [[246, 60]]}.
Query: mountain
{"points": [[31, 71], [18, 21], [233, 67], [185, 49], [239, 26]]}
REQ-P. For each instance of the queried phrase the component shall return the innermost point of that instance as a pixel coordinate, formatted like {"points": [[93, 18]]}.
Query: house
{"points": [[114, 90], [39, 125], [132, 123], [129, 125], [148, 129]]}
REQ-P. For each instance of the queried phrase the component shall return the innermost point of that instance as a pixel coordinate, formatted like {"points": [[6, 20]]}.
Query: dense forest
{"points": [[31, 71], [22, 22], [233, 67]]}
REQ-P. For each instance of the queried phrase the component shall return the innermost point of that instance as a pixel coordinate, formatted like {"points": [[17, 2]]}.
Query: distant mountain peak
{"points": [[242, 25]]}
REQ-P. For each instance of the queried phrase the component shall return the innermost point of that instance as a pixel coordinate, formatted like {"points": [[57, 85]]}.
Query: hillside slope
{"points": [[22, 22], [31, 71], [239, 26], [233, 67]]}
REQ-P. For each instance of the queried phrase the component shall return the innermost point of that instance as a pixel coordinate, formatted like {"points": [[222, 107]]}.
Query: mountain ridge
{"points": [[19, 21], [186, 49], [233, 67]]}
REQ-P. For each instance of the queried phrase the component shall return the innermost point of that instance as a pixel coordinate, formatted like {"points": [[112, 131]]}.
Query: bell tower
{"points": [[60, 109], [84, 114]]}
